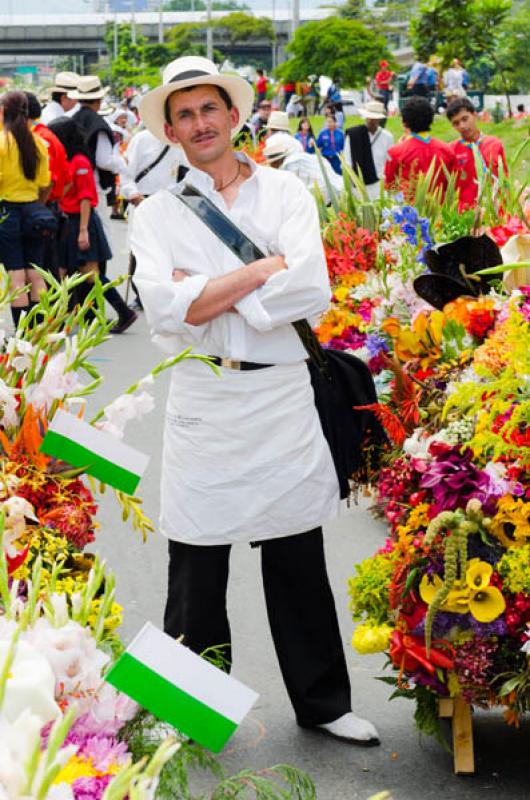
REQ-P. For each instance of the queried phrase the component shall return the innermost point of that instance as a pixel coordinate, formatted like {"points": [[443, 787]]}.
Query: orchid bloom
{"points": [[474, 595]]}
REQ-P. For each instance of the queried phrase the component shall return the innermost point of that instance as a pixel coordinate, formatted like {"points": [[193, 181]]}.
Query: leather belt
{"points": [[230, 363]]}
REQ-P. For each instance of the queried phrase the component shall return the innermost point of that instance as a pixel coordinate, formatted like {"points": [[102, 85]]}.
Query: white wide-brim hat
{"points": [[193, 71], [373, 110], [278, 121], [88, 88], [280, 145], [65, 82]]}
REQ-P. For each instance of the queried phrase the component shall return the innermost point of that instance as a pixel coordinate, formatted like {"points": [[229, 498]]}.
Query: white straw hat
{"points": [[193, 71], [373, 110], [280, 145], [278, 121], [88, 88], [65, 82]]}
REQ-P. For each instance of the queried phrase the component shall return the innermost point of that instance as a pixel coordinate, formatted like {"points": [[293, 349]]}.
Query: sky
{"points": [[87, 6]]}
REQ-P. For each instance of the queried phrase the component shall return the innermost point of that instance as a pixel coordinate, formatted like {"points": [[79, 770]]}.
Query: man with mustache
{"points": [[245, 459]]}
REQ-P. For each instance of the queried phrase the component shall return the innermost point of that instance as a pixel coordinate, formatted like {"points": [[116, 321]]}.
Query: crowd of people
{"points": [[61, 165], [58, 168]]}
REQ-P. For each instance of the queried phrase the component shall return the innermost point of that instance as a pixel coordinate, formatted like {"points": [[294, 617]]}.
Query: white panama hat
{"points": [[88, 88], [64, 82], [193, 71], [280, 145], [373, 110], [278, 121]]}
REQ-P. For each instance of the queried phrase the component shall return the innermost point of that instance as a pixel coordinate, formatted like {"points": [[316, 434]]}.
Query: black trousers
{"points": [[300, 607]]}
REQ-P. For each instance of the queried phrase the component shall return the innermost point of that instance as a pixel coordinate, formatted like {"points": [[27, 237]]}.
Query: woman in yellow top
{"points": [[24, 182]]}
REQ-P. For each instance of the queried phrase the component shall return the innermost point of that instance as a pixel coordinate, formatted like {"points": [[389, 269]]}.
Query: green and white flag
{"points": [[181, 688], [98, 453]]}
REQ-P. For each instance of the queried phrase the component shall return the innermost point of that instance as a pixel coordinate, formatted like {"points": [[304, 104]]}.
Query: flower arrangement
{"points": [[451, 603], [66, 734]]}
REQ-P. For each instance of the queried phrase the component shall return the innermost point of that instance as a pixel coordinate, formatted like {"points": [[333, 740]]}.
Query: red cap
{"points": [[383, 63]]}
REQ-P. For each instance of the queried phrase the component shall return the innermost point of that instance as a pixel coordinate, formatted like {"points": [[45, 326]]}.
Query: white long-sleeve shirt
{"points": [[279, 215], [143, 150], [51, 111], [108, 156], [307, 167], [244, 456], [381, 141]]}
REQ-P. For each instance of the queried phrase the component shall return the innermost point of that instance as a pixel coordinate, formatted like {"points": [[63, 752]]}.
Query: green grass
{"points": [[512, 132]]}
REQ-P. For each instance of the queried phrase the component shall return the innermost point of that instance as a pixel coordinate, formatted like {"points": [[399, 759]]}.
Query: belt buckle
{"points": [[230, 363]]}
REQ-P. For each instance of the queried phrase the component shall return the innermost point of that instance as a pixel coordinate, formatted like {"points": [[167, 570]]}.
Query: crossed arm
{"points": [[221, 294]]}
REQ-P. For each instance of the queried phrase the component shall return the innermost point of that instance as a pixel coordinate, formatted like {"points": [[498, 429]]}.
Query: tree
{"points": [[466, 29], [240, 27], [341, 48]]}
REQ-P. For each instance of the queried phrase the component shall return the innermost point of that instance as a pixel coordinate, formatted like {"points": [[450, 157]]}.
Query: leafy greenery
{"points": [[143, 735], [488, 35], [344, 49], [241, 27]]}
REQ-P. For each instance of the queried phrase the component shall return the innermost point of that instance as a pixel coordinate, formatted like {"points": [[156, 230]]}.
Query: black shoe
{"points": [[125, 322], [137, 305]]}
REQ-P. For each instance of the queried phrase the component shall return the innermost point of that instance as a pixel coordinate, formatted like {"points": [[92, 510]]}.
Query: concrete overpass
{"points": [[83, 34]]}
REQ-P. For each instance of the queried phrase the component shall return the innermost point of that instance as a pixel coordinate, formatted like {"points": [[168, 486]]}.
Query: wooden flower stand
{"points": [[459, 713]]}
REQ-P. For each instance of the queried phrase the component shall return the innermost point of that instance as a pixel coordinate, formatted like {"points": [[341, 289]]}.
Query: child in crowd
{"points": [[331, 143], [84, 247], [305, 135]]}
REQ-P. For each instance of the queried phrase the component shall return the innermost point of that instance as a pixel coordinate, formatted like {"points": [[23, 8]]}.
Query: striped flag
{"points": [[179, 687], [101, 455]]}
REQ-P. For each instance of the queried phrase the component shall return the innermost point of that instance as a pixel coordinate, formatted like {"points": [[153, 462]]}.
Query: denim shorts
{"points": [[19, 248]]}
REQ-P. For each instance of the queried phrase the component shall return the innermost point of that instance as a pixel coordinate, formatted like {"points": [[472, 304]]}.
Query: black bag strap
{"points": [[151, 166], [245, 249]]}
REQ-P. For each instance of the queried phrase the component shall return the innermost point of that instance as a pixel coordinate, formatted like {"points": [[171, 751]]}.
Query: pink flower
{"points": [[90, 788]]}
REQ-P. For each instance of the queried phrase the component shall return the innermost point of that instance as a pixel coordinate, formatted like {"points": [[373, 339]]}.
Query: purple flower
{"points": [[454, 479], [90, 788], [375, 344]]}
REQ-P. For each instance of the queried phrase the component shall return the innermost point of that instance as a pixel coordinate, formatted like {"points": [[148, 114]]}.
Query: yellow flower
{"points": [[422, 341], [475, 595], [75, 768], [369, 639], [419, 517], [511, 524], [341, 293]]}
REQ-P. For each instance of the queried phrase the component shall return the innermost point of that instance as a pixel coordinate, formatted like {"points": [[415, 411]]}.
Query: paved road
{"points": [[411, 767]]}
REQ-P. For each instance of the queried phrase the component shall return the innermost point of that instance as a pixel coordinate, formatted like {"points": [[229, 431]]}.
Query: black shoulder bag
{"points": [[340, 381]]}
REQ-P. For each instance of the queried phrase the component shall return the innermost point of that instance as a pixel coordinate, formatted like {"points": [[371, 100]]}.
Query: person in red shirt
{"points": [[59, 173], [84, 247], [383, 83], [464, 119], [261, 86], [417, 151]]}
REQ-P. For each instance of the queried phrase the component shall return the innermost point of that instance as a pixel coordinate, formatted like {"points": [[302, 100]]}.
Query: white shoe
{"points": [[351, 729]]}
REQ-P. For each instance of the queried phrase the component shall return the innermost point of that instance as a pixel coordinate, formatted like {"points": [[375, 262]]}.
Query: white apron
{"points": [[244, 456]]}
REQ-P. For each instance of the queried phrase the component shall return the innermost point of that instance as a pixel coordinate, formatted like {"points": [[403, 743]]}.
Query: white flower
{"points": [[8, 405], [30, 685], [18, 741], [124, 409], [26, 350], [72, 653], [17, 510], [55, 383], [417, 445]]}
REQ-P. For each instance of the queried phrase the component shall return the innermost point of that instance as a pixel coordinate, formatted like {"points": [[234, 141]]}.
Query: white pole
{"points": [[296, 15], [209, 30], [160, 22], [274, 39], [115, 36], [133, 21]]}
